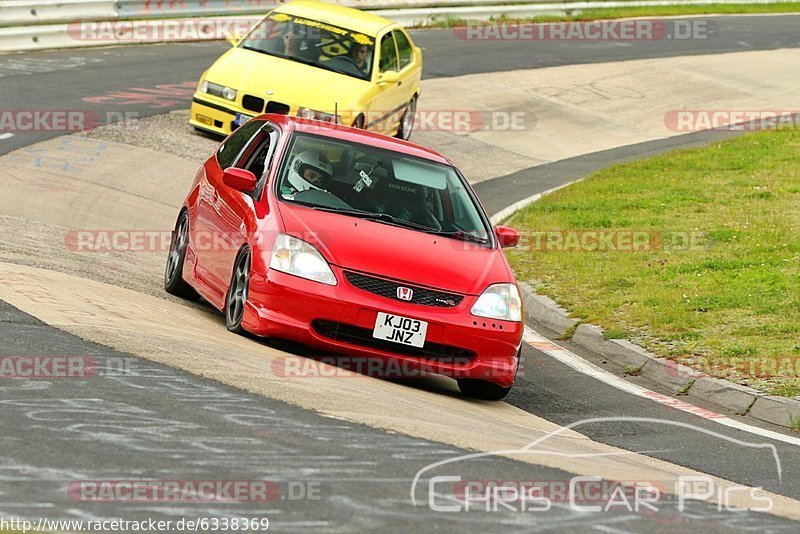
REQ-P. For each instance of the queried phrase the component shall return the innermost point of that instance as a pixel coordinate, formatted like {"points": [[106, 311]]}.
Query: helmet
{"points": [[309, 160]]}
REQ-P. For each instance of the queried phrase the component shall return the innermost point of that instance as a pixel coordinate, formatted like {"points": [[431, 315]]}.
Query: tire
{"points": [[407, 121], [236, 298], [482, 389], [485, 390], [174, 284]]}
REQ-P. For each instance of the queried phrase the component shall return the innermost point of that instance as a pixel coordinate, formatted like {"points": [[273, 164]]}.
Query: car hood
{"points": [[398, 253], [291, 82]]}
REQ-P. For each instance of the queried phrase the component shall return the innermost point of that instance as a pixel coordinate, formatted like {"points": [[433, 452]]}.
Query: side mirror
{"points": [[239, 179], [233, 38], [508, 237], [389, 77]]}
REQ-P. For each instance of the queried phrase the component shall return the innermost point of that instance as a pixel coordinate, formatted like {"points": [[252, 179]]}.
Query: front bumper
{"points": [[341, 318], [218, 116], [215, 117]]}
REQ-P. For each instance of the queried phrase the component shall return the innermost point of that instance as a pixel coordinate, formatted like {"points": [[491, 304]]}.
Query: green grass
{"points": [[794, 423], [720, 286], [451, 21], [630, 370]]}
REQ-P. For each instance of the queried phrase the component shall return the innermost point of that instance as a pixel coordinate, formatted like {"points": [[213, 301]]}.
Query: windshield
{"points": [[382, 185], [313, 43]]}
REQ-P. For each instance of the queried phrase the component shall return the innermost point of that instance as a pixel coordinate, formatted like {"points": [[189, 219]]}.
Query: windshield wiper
{"points": [[463, 236], [396, 221], [378, 217], [254, 49]]}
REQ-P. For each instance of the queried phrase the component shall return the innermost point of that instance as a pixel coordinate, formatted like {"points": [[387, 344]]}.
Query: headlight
{"points": [[295, 256], [216, 89], [228, 93], [307, 113], [499, 301]]}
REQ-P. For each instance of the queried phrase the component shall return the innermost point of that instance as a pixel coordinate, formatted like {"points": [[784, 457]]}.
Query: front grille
{"points": [[388, 289], [277, 107], [356, 335], [253, 103]]}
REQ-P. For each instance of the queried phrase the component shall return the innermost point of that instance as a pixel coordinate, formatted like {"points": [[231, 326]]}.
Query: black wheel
{"points": [[482, 389], [407, 121], [237, 293], [174, 283]]}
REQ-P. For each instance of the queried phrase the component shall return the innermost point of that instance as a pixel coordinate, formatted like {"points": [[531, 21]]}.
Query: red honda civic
{"points": [[353, 243]]}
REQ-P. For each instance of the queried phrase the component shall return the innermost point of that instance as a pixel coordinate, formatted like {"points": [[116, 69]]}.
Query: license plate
{"points": [[241, 118], [400, 329]]}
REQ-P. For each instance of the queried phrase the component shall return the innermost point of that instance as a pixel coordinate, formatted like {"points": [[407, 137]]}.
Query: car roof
{"points": [[355, 135], [345, 17]]}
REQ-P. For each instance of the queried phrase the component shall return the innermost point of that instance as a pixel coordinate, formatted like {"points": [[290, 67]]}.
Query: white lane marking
{"points": [[6, 136], [570, 359], [507, 212]]}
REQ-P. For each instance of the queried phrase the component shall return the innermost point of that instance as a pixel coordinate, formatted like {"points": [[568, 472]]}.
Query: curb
{"points": [[541, 311], [677, 378], [545, 311]]}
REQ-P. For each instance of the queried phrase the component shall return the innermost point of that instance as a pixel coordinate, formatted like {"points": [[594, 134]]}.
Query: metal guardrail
{"points": [[26, 12], [43, 24]]}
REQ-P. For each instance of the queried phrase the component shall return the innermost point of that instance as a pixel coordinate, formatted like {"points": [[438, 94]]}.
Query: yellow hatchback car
{"points": [[315, 60]]}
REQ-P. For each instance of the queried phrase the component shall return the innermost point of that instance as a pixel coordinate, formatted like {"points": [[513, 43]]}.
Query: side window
{"points": [[405, 51], [257, 160], [388, 54], [233, 145]]}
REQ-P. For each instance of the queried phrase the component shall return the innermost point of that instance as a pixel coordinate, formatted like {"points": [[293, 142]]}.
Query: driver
{"points": [[359, 55], [309, 170], [291, 43]]}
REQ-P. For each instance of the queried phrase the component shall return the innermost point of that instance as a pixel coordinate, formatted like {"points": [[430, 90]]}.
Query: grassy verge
{"points": [[640, 11], [705, 266]]}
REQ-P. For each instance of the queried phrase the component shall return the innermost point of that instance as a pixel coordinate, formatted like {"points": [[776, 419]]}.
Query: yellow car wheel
{"points": [[407, 121]]}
